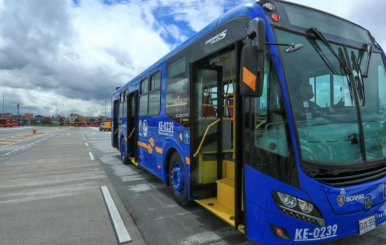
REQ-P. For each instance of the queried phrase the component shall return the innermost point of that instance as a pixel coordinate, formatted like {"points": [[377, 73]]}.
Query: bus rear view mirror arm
{"points": [[252, 59]]}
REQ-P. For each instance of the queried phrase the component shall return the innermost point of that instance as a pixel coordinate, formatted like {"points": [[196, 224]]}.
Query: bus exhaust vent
{"points": [[352, 177]]}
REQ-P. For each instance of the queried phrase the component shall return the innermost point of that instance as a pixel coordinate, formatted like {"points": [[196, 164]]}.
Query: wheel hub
{"points": [[177, 179]]}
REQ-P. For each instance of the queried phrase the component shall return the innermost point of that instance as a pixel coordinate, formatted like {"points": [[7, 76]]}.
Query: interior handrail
{"points": [[260, 124], [203, 138]]}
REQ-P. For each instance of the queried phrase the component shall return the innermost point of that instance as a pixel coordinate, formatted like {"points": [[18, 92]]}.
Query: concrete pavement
{"points": [[50, 194]]}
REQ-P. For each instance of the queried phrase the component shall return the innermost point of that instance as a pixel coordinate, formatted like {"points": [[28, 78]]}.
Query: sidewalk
{"points": [[50, 194]]}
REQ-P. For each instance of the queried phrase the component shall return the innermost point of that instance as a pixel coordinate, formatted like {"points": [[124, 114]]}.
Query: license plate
{"points": [[367, 224]]}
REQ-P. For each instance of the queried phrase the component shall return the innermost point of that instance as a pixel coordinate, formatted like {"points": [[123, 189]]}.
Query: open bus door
{"points": [[215, 182], [114, 130], [132, 112]]}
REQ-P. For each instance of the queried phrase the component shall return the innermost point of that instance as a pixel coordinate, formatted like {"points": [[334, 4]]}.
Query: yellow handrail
{"points": [[203, 138], [131, 134], [258, 126]]}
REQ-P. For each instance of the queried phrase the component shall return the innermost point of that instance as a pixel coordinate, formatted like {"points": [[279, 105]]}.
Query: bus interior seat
{"points": [[208, 110], [229, 101]]}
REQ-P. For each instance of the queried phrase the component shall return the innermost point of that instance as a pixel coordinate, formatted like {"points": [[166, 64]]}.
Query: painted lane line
{"points": [[91, 156], [86, 144], [119, 227]]}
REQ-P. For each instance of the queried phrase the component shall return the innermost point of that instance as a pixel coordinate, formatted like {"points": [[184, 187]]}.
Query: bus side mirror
{"points": [[252, 60]]}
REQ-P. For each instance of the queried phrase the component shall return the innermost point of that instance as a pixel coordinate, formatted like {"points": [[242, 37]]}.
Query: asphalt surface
{"points": [[161, 221], [50, 194]]}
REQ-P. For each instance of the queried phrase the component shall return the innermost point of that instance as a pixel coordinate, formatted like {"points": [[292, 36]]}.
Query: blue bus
{"points": [[272, 117]]}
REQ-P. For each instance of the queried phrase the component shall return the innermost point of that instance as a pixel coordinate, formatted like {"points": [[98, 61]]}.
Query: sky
{"points": [[67, 56]]}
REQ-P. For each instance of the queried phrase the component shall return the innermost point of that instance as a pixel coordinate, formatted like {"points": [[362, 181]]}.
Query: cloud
{"points": [[369, 15], [75, 52], [67, 56]]}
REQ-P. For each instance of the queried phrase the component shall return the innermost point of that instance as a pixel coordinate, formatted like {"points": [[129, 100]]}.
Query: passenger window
{"points": [[155, 94], [177, 92], [143, 100]]}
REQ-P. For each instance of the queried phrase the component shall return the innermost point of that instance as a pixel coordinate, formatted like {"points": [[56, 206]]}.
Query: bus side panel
{"points": [[146, 141], [172, 144], [155, 141], [122, 136]]}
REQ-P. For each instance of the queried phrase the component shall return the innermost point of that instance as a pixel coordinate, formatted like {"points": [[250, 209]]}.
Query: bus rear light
{"points": [[276, 17]]}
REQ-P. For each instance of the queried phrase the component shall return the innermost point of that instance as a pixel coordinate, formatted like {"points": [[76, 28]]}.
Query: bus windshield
{"points": [[323, 100]]}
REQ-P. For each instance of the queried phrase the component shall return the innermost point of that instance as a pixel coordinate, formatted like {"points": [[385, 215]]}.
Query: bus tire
{"points": [[178, 180], [123, 152]]}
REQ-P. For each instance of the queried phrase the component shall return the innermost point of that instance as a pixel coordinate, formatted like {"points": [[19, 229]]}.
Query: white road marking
{"points": [[91, 156], [120, 228], [86, 144]]}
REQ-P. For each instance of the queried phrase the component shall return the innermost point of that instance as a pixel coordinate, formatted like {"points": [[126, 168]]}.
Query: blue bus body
{"points": [[268, 200]]}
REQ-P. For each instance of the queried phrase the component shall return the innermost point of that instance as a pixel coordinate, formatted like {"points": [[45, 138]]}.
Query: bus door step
{"points": [[132, 160], [223, 204], [217, 208]]}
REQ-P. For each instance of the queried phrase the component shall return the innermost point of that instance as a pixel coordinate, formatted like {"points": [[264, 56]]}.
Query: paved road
{"points": [[161, 221], [50, 194], [15, 131]]}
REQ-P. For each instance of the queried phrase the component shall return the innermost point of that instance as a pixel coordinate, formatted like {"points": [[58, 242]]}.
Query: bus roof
{"points": [[248, 9], [242, 10]]}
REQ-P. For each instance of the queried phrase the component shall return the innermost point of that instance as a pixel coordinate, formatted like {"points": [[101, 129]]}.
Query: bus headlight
{"points": [[287, 200], [298, 208], [306, 207]]}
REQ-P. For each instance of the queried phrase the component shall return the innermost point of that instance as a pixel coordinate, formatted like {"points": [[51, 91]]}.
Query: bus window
{"points": [[271, 152], [123, 109], [177, 92], [154, 94], [120, 105], [143, 100]]}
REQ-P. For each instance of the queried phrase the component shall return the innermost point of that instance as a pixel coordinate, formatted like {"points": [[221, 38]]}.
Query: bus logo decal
{"points": [[140, 127], [217, 38], [368, 202], [341, 198], [145, 128]]}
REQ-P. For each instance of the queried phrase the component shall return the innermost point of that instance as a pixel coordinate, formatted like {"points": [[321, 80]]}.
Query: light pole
{"points": [[105, 111], [2, 116]]}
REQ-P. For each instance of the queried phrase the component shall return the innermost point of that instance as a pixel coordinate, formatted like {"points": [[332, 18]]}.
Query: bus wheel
{"points": [[178, 180], [123, 152]]}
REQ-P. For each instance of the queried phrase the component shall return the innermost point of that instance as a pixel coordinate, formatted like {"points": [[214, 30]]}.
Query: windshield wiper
{"points": [[319, 35], [369, 49], [358, 78]]}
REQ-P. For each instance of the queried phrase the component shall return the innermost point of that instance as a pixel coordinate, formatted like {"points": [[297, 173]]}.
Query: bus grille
{"points": [[352, 177]]}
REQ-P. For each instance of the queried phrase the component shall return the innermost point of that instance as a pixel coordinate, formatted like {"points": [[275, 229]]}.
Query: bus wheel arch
{"points": [[178, 179], [168, 158]]}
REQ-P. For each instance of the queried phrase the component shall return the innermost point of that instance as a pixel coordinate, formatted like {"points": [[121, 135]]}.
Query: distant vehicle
{"points": [[226, 121], [105, 126], [7, 123]]}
